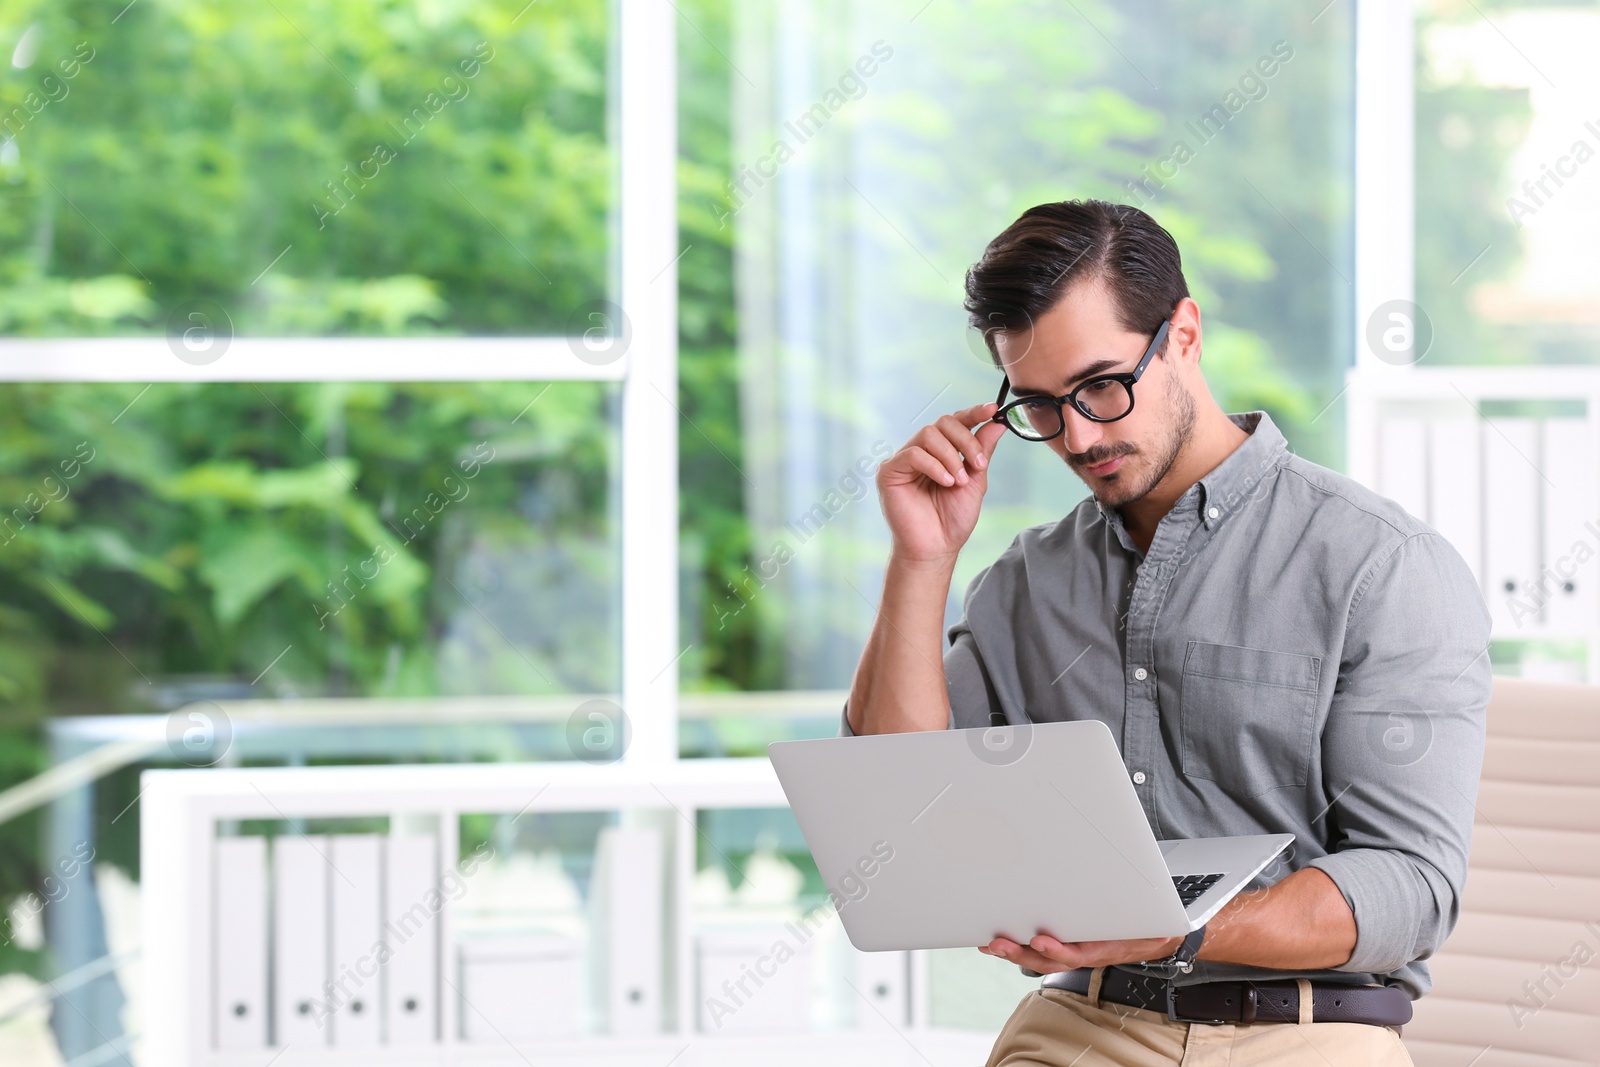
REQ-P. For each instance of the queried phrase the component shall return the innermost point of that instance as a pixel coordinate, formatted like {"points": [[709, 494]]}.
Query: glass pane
{"points": [[839, 178], [970, 991], [1507, 212], [176, 542], [311, 168]]}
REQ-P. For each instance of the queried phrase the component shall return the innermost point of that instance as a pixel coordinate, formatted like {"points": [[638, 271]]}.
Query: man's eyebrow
{"points": [[1099, 366]]}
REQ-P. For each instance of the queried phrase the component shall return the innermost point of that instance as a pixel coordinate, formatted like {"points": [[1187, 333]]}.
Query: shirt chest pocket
{"points": [[1247, 716]]}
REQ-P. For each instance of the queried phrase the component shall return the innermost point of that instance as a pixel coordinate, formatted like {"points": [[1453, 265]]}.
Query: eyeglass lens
{"points": [[1037, 419], [1041, 418]]}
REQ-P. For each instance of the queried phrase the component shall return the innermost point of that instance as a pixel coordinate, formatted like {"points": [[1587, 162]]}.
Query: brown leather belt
{"points": [[1242, 1002]]}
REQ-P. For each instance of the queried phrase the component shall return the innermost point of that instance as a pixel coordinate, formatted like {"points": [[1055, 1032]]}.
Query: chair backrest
{"points": [[1520, 976]]}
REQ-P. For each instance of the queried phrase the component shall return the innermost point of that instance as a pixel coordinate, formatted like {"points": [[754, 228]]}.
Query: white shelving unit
{"points": [[1505, 463], [184, 823]]}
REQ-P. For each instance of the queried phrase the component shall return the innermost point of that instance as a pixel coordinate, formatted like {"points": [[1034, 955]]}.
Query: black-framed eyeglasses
{"points": [[1103, 398]]}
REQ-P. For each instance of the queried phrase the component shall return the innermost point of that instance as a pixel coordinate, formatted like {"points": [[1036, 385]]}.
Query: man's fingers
{"points": [[1045, 953], [956, 432], [975, 414], [922, 463], [989, 435], [947, 451], [1034, 961], [937, 443], [1059, 953]]}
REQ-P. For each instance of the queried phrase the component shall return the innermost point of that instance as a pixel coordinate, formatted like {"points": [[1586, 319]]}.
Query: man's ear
{"points": [[1183, 338]]}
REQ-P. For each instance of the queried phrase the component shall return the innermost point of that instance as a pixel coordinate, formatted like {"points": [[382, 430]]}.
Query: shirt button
{"points": [[1138, 778], [1141, 674], [1213, 513]]}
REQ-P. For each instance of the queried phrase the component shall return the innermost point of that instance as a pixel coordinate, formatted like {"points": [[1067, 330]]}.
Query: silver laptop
{"points": [[950, 838]]}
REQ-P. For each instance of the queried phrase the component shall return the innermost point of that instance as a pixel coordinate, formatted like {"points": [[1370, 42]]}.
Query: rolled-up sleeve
{"points": [[1402, 751], [965, 677]]}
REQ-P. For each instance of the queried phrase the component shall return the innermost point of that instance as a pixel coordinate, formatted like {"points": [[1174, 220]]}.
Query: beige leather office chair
{"points": [[1518, 983]]}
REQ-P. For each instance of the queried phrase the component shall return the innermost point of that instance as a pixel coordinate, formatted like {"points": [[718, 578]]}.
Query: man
{"points": [[1276, 648]]}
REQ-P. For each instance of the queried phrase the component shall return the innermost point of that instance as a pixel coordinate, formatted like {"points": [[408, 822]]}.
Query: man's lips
{"points": [[1103, 469]]}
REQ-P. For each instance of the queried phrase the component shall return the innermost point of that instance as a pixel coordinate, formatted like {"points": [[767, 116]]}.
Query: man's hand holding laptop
{"points": [[1047, 955]]}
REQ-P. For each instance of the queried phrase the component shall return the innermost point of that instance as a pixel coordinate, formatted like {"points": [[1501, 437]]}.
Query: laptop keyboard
{"points": [[1190, 886]]}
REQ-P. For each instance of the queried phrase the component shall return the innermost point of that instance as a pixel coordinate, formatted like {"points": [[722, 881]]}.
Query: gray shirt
{"points": [[1295, 654]]}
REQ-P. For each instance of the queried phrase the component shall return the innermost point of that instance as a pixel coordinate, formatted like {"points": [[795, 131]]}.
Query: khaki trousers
{"points": [[1055, 1028]]}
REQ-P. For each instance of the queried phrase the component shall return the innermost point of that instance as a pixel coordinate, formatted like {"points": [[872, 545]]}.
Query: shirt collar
{"points": [[1225, 489]]}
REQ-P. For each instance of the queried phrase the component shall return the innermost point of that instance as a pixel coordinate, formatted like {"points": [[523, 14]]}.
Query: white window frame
{"points": [[643, 108], [644, 99], [1385, 165]]}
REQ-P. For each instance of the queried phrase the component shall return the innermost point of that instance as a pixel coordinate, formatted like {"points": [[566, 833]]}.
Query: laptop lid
{"points": [[949, 838]]}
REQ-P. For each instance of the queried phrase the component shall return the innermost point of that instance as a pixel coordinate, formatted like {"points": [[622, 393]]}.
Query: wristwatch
{"points": [[1180, 962]]}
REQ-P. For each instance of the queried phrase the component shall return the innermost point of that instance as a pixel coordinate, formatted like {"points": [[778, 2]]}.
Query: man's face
{"points": [[1080, 338]]}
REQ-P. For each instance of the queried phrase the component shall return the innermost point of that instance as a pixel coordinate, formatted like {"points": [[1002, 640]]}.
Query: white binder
{"points": [[1571, 590], [241, 943], [299, 941], [411, 930], [626, 930], [1512, 484], [1403, 463], [1455, 487], [356, 964]]}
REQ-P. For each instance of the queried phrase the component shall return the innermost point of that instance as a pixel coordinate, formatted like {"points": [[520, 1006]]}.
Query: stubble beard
{"points": [[1116, 490]]}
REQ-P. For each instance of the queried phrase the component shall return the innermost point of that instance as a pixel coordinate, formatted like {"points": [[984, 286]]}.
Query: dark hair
{"points": [[1030, 266]]}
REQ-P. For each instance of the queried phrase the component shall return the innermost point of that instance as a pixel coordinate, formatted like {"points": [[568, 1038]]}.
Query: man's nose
{"points": [[1082, 433]]}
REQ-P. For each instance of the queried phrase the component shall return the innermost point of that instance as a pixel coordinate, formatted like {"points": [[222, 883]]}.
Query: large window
{"points": [[844, 166], [1507, 212], [311, 384]]}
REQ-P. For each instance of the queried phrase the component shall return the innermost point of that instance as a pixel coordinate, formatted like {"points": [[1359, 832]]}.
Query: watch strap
{"points": [[1180, 962], [1186, 953]]}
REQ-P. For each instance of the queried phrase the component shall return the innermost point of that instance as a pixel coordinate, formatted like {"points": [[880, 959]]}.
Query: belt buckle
{"points": [[1247, 1008]]}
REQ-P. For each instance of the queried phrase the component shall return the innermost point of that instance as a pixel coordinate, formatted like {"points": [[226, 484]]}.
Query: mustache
{"points": [[1096, 456]]}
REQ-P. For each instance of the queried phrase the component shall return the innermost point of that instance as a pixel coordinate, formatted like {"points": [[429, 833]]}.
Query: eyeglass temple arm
{"points": [[1005, 387], [1155, 345]]}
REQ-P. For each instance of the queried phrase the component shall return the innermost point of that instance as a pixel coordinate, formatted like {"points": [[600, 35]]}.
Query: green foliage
{"points": [[1466, 136], [973, 120], [419, 167], [206, 527], [716, 541]]}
